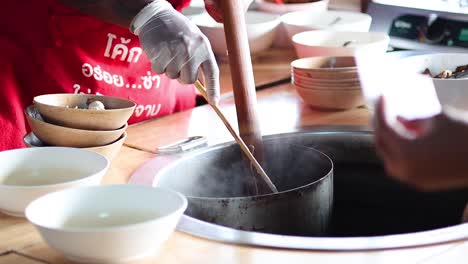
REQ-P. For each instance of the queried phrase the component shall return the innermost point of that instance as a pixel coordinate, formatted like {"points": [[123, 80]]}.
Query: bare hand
{"points": [[435, 160]]}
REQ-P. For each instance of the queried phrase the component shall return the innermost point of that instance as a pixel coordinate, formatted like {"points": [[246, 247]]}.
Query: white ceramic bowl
{"points": [[261, 30], [297, 22], [109, 223], [265, 6], [27, 174], [330, 43], [451, 92]]}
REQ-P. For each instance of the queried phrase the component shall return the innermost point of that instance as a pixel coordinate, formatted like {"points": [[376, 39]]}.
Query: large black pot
{"points": [[214, 182]]}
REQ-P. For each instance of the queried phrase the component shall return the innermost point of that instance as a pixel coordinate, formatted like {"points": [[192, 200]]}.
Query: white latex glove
{"points": [[175, 46]]}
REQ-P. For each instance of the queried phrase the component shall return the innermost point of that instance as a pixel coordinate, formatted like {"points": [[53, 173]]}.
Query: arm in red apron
{"points": [[119, 12], [16, 92]]}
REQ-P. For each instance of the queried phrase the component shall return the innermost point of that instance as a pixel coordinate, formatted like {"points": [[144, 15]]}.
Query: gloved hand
{"points": [[213, 7], [175, 46], [435, 159]]}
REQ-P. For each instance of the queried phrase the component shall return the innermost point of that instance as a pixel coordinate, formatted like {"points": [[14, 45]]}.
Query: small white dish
{"points": [[273, 8], [339, 43], [297, 22], [26, 174], [261, 31], [107, 224]]}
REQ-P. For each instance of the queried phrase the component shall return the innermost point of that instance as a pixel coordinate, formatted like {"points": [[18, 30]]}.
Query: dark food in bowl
{"points": [[459, 73]]}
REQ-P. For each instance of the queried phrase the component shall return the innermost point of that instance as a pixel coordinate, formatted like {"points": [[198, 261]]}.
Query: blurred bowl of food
{"points": [[449, 72], [297, 22], [107, 224], [286, 6], [339, 43], [32, 172], [84, 111], [56, 135], [110, 151], [261, 30]]}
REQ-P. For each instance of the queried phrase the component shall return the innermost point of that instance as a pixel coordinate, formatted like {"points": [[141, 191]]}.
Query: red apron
{"points": [[46, 47], [86, 55]]}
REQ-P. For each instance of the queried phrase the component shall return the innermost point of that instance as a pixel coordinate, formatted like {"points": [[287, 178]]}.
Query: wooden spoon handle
{"points": [[242, 74]]}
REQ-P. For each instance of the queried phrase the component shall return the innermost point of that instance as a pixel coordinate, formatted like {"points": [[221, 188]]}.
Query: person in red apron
{"points": [[86, 47]]}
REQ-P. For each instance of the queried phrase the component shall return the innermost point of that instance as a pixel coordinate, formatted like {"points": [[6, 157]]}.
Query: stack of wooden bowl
{"points": [[92, 122], [329, 83]]}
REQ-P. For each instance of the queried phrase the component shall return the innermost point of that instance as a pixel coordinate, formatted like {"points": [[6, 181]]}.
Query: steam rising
{"points": [[222, 172]]}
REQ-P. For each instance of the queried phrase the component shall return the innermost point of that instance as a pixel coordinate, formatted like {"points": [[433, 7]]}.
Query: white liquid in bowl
{"points": [[41, 176], [121, 217]]}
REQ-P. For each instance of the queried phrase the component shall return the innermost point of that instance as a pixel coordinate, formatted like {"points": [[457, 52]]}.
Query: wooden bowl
{"points": [[69, 137], [331, 99], [110, 151], [59, 109]]}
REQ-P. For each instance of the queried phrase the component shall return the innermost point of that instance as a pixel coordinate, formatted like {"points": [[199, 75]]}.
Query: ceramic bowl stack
{"points": [[328, 83], [65, 120]]}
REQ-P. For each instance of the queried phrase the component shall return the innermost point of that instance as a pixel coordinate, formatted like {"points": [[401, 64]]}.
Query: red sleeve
{"points": [[179, 4], [16, 94]]}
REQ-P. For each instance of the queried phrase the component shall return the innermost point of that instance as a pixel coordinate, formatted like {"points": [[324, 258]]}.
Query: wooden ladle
{"points": [[242, 76]]}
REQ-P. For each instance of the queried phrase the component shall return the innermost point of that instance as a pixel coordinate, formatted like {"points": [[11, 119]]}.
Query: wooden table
{"points": [[269, 66], [280, 110]]}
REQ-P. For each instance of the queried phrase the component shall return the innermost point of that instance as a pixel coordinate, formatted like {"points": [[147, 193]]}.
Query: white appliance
{"points": [[432, 25]]}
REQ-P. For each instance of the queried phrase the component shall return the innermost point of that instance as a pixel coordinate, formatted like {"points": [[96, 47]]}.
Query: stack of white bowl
{"points": [[55, 121], [328, 83]]}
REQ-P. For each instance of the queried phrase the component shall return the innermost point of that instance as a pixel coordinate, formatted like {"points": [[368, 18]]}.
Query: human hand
{"points": [[176, 47], [435, 159], [213, 7]]}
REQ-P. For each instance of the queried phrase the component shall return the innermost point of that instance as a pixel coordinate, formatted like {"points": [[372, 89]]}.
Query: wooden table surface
{"points": [[280, 110], [269, 66]]}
